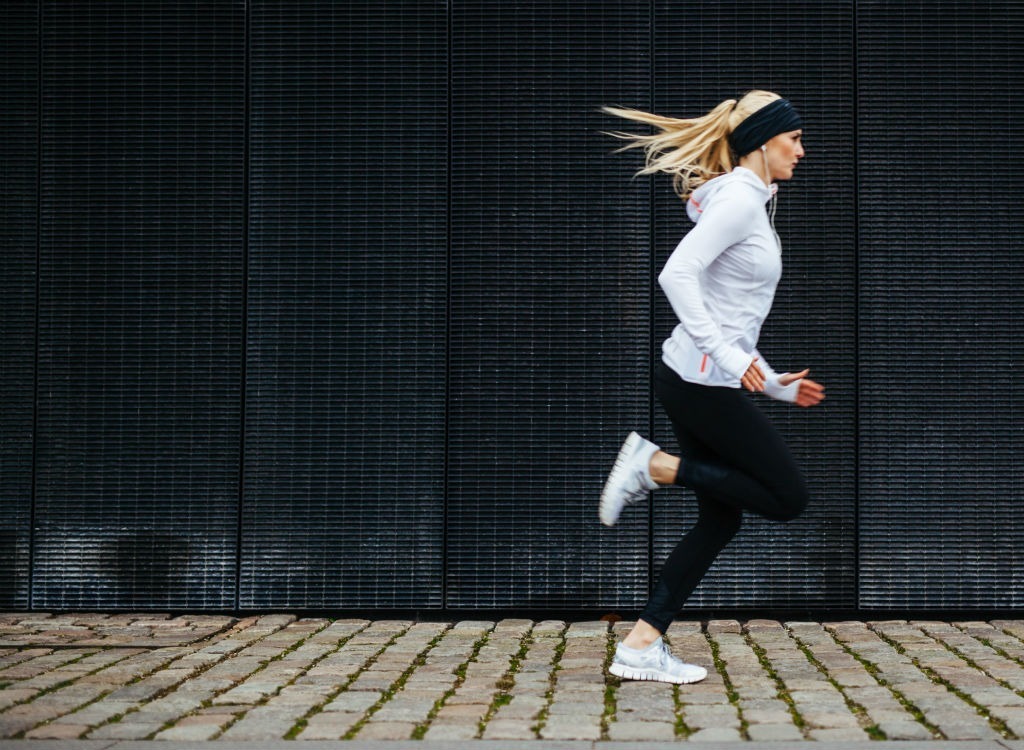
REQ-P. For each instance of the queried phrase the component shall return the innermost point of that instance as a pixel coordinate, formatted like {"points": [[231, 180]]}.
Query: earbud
{"points": [[764, 148]]}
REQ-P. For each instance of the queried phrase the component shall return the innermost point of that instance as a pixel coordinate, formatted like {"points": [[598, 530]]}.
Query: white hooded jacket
{"points": [[721, 281]]}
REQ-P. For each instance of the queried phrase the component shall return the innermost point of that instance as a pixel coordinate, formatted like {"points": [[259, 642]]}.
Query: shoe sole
{"points": [[625, 452], [651, 675]]}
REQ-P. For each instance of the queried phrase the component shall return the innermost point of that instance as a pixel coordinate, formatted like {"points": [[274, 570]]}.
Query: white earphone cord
{"points": [[775, 197]]}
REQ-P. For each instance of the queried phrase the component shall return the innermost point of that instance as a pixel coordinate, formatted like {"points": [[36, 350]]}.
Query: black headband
{"points": [[763, 125]]}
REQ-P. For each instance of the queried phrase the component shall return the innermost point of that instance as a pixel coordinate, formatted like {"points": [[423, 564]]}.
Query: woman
{"points": [[720, 281]]}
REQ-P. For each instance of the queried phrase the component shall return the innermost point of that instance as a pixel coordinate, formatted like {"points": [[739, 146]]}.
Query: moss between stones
{"points": [[873, 730], [997, 724], [505, 683], [556, 667], [730, 691], [460, 677], [873, 670], [396, 686]]}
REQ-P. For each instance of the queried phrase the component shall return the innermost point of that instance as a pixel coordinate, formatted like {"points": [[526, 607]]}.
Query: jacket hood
{"points": [[703, 196]]}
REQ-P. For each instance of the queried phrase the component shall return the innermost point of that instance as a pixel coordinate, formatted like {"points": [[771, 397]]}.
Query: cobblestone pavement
{"points": [[113, 679]]}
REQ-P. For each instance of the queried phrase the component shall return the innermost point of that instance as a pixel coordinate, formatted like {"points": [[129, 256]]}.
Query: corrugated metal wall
{"points": [[347, 305], [139, 306], [321, 305], [940, 332]]}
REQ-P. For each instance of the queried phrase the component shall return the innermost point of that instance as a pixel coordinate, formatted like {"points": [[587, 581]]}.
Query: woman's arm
{"points": [[795, 388], [772, 386], [723, 224]]}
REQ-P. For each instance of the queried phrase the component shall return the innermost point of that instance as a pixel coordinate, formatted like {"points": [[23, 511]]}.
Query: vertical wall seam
{"points": [[244, 347], [35, 364], [856, 305], [446, 474]]}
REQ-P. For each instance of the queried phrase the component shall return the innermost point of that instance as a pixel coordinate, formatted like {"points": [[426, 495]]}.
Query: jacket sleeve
{"points": [[723, 224], [771, 381]]}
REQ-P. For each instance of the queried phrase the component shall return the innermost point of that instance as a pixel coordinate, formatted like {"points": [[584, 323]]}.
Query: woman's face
{"points": [[784, 151]]}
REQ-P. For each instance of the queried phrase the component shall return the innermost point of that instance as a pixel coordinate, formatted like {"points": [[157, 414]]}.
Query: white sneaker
{"points": [[654, 663], [630, 478]]}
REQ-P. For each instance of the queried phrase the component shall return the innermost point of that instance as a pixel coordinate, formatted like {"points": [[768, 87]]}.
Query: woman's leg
{"points": [[743, 460], [716, 525], [734, 460]]}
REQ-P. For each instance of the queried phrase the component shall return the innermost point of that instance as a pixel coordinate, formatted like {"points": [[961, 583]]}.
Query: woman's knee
{"points": [[722, 521], [792, 502]]}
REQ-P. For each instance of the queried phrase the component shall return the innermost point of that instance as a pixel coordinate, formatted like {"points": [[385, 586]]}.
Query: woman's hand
{"points": [[753, 378], [808, 392]]}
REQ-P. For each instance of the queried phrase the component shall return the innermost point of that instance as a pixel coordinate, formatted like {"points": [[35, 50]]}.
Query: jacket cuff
{"points": [[734, 361], [781, 392]]}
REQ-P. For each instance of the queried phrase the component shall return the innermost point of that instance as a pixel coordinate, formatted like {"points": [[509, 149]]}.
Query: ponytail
{"points": [[692, 151]]}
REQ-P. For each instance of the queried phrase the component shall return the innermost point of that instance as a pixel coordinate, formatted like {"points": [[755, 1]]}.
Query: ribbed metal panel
{"points": [[140, 304], [550, 302], [19, 121], [442, 314], [345, 400], [940, 145], [706, 53]]}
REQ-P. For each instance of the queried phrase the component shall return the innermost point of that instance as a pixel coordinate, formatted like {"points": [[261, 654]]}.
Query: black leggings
{"points": [[734, 460]]}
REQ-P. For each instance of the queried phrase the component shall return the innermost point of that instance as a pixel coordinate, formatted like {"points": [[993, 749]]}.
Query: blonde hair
{"points": [[692, 151]]}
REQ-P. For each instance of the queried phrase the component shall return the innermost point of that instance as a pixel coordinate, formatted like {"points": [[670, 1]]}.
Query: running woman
{"points": [[720, 281]]}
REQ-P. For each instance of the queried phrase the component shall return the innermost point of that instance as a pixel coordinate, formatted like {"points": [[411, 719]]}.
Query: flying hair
{"points": [[692, 151]]}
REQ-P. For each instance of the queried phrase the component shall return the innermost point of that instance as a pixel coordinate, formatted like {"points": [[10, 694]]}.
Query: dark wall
{"points": [[19, 244], [331, 305], [941, 275], [345, 379]]}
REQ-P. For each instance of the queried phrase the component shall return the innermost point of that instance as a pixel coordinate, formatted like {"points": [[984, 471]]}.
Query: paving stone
{"points": [[465, 713], [998, 696], [24, 717], [57, 732], [829, 720], [329, 726], [965, 730], [386, 731], [774, 732], [716, 734], [706, 696], [96, 713], [11, 658], [298, 695], [349, 702], [649, 703], [845, 734], [452, 732], [590, 708], [125, 731], [904, 730], [712, 716], [641, 730], [196, 728], [521, 707], [375, 680], [11, 696], [414, 713], [251, 692], [571, 728], [506, 729], [463, 698], [259, 725], [768, 716]]}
